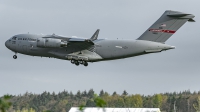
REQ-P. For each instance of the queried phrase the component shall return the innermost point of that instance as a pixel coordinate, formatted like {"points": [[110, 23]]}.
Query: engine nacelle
{"points": [[51, 43]]}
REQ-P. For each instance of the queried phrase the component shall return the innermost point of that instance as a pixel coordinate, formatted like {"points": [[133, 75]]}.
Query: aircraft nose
{"points": [[6, 43]]}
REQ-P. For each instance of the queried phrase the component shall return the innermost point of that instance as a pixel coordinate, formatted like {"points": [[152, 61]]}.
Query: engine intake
{"points": [[50, 43]]}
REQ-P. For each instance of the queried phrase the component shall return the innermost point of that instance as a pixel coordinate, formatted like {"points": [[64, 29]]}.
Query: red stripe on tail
{"points": [[163, 31]]}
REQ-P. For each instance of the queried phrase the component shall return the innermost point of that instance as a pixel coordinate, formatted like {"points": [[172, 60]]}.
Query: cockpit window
{"points": [[14, 38]]}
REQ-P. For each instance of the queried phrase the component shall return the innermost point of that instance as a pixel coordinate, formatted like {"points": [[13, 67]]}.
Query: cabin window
{"points": [[14, 38], [30, 39]]}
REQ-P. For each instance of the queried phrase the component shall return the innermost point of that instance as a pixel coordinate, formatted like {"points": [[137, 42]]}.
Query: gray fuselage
{"points": [[102, 50]]}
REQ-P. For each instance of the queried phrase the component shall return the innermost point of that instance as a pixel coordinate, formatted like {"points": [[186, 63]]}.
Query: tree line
{"points": [[184, 101]]}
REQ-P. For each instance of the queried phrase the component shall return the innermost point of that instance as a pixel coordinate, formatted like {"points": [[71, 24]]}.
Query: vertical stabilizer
{"points": [[166, 26]]}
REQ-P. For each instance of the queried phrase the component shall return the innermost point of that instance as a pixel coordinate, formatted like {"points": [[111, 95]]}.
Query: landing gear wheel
{"points": [[15, 56], [85, 64], [72, 61], [77, 63], [81, 62]]}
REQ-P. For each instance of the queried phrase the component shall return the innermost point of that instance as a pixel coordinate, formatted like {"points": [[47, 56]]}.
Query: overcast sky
{"points": [[168, 71]]}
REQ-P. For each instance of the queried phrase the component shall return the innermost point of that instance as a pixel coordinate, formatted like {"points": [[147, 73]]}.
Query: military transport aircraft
{"points": [[82, 51]]}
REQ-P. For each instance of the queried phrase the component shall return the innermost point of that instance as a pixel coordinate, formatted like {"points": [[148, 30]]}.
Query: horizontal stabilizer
{"points": [[191, 20], [180, 15], [177, 15]]}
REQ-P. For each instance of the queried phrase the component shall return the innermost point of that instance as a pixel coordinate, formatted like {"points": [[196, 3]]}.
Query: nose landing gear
{"points": [[15, 56]]}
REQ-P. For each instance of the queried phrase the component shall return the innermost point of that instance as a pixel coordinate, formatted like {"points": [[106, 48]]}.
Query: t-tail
{"points": [[166, 26]]}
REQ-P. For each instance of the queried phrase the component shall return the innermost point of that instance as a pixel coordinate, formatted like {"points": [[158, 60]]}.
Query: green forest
{"points": [[184, 101]]}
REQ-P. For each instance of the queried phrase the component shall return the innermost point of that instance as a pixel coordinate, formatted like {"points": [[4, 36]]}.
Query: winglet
{"points": [[95, 36]]}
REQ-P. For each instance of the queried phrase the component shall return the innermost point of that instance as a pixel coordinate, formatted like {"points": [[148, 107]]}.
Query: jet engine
{"points": [[51, 43]]}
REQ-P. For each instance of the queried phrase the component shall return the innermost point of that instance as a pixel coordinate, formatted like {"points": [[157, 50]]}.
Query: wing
{"points": [[77, 44], [80, 44]]}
